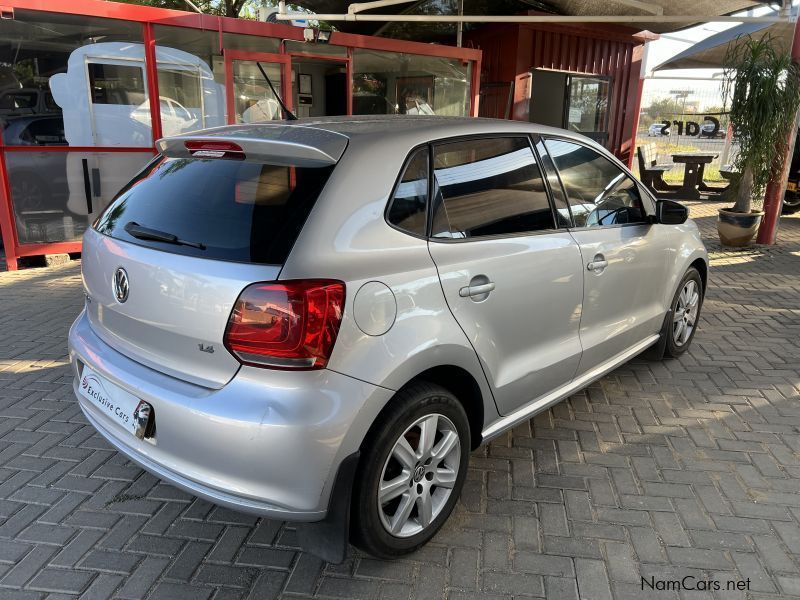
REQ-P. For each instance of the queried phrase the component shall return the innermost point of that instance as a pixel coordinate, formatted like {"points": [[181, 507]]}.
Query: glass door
{"points": [[588, 101], [253, 81]]}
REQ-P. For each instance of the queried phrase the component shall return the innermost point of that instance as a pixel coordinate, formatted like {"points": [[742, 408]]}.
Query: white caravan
{"points": [[105, 102]]}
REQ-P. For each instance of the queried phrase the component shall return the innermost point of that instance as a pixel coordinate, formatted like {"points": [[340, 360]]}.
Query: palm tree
{"points": [[762, 85]]}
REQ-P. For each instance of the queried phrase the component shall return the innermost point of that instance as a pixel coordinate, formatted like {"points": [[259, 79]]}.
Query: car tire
{"points": [[400, 449], [680, 328], [791, 204]]}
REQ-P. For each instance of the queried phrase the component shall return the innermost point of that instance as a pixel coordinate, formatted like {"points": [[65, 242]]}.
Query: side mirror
{"points": [[669, 212]]}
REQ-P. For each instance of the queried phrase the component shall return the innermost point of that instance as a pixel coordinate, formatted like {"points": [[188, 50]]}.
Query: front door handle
{"points": [[476, 290], [598, 263]]}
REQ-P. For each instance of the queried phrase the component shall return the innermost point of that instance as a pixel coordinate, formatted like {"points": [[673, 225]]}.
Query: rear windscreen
{"points": [[217, 209]]}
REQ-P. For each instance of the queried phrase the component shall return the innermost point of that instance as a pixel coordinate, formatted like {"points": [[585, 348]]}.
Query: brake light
{"points": [[214, 149], [286, 325]]}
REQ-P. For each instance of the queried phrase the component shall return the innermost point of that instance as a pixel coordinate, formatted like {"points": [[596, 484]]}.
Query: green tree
{"points": [[762, 88], [225, 8], [664, 108]]}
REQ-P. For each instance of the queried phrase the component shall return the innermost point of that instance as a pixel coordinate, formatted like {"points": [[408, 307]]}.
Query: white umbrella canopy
{"points": [[710, 52]]}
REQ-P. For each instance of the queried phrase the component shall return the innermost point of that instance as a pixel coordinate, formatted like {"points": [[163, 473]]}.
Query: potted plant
{"points": [[762, 85]]}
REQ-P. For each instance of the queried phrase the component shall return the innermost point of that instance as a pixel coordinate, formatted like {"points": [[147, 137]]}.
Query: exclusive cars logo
{"points": [[94, 388]]}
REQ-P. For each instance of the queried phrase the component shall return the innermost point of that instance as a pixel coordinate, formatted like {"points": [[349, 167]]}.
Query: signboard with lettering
{"points": [[693, 128]]}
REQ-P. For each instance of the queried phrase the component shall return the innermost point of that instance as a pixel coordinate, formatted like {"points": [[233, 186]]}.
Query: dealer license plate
{"points": [[122, 407]]}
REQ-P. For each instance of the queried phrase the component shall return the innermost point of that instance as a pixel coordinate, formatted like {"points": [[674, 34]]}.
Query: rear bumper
{"points": [[269, 442]]}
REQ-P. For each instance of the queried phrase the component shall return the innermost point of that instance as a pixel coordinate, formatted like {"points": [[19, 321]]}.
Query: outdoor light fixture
{"points": [[319, 36]]}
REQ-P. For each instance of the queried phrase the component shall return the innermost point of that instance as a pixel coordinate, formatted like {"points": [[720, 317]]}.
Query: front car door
{"points": [[624, 257], [512, 280]]}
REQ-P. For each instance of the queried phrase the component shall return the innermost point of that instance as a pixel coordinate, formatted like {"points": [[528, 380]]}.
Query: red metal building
{"points": [[86, 87], [573, 76]]}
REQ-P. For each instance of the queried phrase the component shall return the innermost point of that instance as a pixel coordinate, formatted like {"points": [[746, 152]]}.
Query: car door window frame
{"points": [[435, 197], [406, 162], [548, 167], [647, 205]]}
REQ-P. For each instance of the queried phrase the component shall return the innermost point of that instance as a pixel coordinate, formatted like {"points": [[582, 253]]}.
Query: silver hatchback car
{"points": [[317, 320]]}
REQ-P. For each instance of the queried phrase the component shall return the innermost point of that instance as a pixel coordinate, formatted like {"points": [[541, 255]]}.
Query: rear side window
{"points": [[408, 208], [489, 187], [225, 209], [599, 192]]}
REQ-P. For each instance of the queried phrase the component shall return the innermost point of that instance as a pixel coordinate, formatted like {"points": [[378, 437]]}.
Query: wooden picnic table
{"points": [[693, 182]]}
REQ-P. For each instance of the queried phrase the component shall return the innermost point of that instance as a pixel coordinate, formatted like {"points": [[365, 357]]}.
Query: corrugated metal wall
{"points": [[510, 52]]}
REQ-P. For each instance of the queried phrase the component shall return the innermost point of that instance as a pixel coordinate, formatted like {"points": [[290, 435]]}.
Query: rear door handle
{"points": [[598, 263], [476, 290]]}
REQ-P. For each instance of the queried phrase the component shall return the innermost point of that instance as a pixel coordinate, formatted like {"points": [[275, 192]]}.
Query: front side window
{"points": [[408, 208], [489, 187], [116, 84], [599, 192]]}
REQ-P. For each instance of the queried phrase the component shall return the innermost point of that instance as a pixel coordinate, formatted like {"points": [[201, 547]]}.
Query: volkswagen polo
{"points": [[318, 320]]}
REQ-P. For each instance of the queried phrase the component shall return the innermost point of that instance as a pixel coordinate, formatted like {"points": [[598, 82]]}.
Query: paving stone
{"points": [[592, 579], [61, 580], [663, 469], [513, 583]]}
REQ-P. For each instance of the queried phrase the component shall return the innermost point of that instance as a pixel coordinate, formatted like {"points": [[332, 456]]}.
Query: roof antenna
{"points": [[289, 114]]}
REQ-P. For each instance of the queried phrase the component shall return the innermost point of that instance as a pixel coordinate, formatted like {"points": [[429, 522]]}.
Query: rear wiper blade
{"points": [[147, 233]]}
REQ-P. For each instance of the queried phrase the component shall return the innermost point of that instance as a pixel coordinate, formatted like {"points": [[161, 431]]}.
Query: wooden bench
{"points": [[650, 172]]}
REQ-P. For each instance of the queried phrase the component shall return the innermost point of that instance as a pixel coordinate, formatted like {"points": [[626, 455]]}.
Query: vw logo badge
{"points": [[121, 285]]}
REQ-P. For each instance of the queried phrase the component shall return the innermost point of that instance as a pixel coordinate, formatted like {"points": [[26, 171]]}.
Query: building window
{"points": [[191, 79], [396, 83], [587, 106], [578, 103]]}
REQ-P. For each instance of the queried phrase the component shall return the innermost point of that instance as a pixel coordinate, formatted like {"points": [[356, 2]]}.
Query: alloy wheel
{"points": [[418, 475], [684, 318]]}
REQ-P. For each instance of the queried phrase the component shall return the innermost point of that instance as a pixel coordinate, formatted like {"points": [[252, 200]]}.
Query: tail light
{"points": [[286, 325], [214, 149]]}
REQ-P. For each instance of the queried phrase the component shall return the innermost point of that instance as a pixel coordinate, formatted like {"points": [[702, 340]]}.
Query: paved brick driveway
{"points": [[688, 467]]}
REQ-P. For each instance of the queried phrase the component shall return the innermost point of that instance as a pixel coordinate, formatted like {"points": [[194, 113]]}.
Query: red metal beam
{"points": [[475, 88], [366, 42], [109, 149], [151, 66], [7, 228], [49, 248], [349, 78], [149, 17]]}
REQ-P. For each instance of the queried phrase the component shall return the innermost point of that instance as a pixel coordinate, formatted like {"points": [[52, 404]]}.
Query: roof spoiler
{"points": [[284, 145]]}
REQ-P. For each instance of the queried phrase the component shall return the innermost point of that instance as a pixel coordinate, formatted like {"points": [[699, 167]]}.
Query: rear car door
{"points": [[624, 258], [511, 278]]}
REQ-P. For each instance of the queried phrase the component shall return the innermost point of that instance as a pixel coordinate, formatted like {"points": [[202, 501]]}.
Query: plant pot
{"points": [[737, 229]]}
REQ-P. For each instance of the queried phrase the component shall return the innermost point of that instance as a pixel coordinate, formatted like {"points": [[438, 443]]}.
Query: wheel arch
{"points": [[702, 267], [459, 382], [474, 397]]}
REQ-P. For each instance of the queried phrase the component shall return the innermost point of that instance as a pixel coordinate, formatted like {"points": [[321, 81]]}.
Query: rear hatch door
{"points": [[165, 263]]}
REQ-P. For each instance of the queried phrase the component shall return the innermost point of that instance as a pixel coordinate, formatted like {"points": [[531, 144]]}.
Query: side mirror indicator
{"points": [[669, 212]]}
